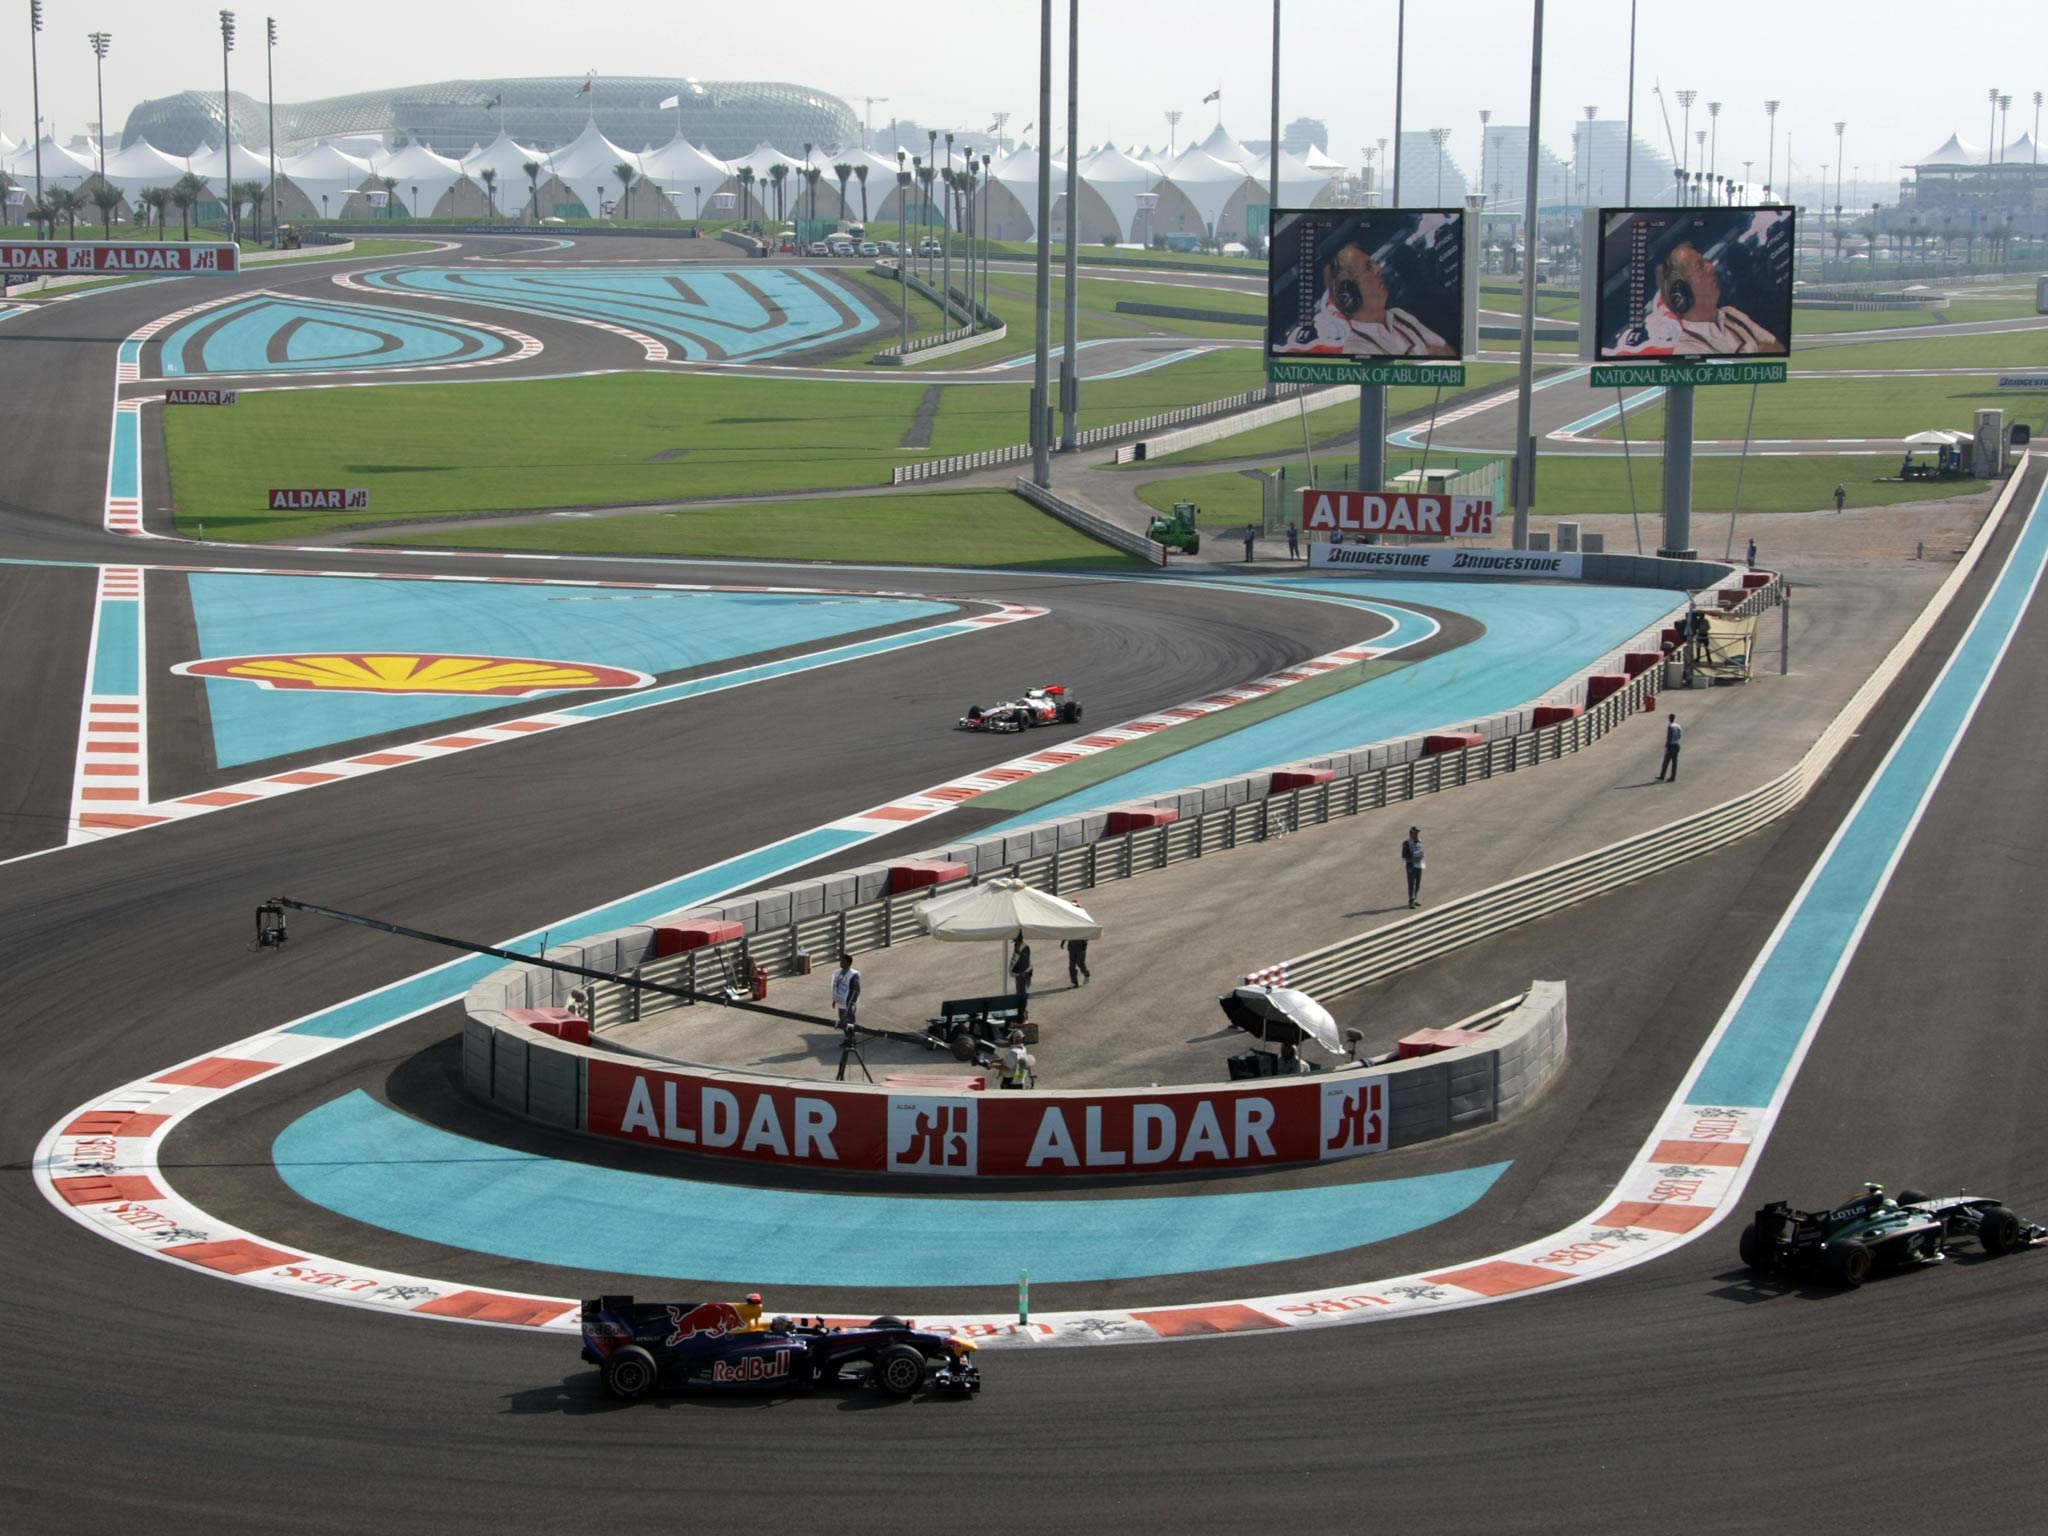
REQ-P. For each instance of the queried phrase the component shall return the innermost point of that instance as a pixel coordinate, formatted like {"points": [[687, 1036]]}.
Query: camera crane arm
{"points": [[270, 935]]}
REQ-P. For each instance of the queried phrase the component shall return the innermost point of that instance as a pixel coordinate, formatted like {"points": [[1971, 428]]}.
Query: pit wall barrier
{"points": [[782, 929], [1508, 1056], [1099, 528]]}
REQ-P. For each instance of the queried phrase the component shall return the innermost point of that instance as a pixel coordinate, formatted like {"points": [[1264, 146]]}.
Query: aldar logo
{"points": [[1354, 1116], [932, 1135]]}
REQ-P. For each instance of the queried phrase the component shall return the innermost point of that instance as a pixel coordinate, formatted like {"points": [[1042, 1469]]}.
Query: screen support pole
{"points": [[1070, 363], [1678, 474], [1525, 444], [1372, 437], [1041, 410]]}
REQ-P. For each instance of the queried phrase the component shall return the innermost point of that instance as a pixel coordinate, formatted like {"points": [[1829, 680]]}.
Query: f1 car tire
{"points": [[1070, 713], [1848, 1263], [629, 1373], [899, 1369], [1910, 1196], [961, 1044], [1998, 1230], [1751, 1249]]}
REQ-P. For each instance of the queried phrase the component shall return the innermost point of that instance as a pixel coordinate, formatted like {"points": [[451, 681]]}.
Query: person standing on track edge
{"points": [[846, 991], [1674, 735], [1020, 972], [1841, 495], [1077, 961], [1412, 860], [1752, 554], [1293, 542]]}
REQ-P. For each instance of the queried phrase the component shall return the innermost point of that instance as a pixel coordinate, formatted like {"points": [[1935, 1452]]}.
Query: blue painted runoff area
{"points": [[654, 632], [359, 1157], [1752, 1056], [429, 989], [124, 473], [1536, 638], [318, 334], [1608, 413], [117, 649], [709, 313]]}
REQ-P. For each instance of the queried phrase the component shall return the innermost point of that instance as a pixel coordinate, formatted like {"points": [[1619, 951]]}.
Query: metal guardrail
{"points": [[1101, 528]]}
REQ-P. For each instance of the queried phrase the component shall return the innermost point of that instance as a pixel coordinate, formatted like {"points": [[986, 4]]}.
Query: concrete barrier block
{"points": [[477, 1040], [1093, 825], [551, 1083], [1045, 840], [772, 908], [741, 912], [508, 1073], [841, 892], [808, 900], [870, 884], [1017, 847], [1073, 833]]}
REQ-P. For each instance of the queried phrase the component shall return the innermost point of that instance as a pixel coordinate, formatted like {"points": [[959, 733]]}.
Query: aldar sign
{"points": [[1432, 517], [50, 258]]}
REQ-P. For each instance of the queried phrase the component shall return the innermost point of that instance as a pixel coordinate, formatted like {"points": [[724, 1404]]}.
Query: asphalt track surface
{"points": [[1675, 1393]]}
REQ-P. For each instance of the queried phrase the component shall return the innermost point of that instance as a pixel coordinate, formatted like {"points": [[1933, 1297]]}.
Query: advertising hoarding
{"points": [[1430, 517], [52, 258], [1407, 560], [1355, 287], [1694, 282]]}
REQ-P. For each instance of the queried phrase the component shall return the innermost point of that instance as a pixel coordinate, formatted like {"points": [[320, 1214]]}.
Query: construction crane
{"points": [[867, 132]]}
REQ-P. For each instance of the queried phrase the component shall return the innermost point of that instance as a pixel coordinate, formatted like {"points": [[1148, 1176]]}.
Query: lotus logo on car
{"points": [[706, 1320]]}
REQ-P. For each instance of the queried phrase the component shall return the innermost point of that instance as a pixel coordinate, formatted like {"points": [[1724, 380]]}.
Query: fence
{"points": [[959, 464], [958, 306], [890, 919], [1087, 522]]}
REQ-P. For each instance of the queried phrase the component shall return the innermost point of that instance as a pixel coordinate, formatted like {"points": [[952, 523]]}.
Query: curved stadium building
{"points": [[727, 117]]}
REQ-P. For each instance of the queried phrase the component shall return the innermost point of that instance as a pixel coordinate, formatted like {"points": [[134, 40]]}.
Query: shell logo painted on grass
{"points": [[391, 672]]}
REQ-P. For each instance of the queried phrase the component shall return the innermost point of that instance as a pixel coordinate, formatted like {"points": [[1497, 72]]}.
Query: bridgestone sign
{"points": [[319, 501], [1397, 560], [50, 258]]}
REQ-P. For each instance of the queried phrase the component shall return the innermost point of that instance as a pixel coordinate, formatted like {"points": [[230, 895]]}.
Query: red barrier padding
{"points": [[1299, 778], [1427, 1042], [1641, 661], [1601, 684], [939, 1082], [1450, 741], [1730, 596], [1755, 579], [1673, 637], [559, 1022], [1557, 714], [673, 941], [917, 874], [1136, 821]]}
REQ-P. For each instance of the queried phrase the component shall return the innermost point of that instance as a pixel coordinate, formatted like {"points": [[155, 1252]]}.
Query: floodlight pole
{"points": [[227, 126], [1628, 157], [1372, 398], [270, 89], [1272, 172], [100, 41], [1771, 154], [1525, 443], [1041, 372], [1070, 364], [35, 82]]}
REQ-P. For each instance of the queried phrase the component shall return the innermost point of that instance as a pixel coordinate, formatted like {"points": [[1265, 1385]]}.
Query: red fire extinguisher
{"points": [[760, 984]]}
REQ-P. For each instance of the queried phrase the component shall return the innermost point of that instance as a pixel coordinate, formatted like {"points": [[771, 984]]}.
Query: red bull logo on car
{"points": [[706, 1320], [752, 1368]]}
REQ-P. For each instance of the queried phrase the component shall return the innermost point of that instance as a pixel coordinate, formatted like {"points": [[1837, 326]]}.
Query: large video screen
{"points": [[1694, 282], [1366, 284]]}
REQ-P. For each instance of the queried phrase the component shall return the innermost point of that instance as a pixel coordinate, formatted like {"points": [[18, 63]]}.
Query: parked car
{"points": [[819, 248], [928, 246], [888, 247], [842, 247], [786, 248], [869, 248]]}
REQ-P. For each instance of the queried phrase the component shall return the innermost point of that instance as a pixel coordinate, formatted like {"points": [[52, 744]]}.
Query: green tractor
{"points": [[1176, 531]]}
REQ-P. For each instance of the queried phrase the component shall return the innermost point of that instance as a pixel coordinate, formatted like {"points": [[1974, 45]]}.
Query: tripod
{"points": [[849, 1050]]}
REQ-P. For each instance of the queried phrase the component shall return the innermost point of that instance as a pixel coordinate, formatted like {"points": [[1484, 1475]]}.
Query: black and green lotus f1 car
{"points": [[1876, 1232]]}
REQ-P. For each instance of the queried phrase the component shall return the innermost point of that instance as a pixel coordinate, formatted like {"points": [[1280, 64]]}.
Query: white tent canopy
{"points": [[1004, 909], [417, 166], [685, 173], [212, 165], [1224, 147], [141, 165], [1299, 184], [1118, 180], [1208, 183], [763, 156], [585, 166], [1957, 151], [1316, 160], [508, 159], [325, 172], [1017, 173], [60, 165]]}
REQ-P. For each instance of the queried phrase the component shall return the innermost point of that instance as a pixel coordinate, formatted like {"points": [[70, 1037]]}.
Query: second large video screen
{"points": [[1367, 285], [1694, 282]]}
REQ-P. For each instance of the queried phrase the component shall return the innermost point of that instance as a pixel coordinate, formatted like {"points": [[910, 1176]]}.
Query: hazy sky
{"points": [[1889, 68]]}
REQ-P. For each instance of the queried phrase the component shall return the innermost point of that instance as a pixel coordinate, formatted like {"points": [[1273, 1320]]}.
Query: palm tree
{"points": [[779, 173], [844, 173], [625, 175], [812, 174], [256, 194], [250, 192], [390, 186], [745, 178], [152, 200], [861, 172], [65, 203], [106, 199], [489, 178], [184, 193], [532, 169]]}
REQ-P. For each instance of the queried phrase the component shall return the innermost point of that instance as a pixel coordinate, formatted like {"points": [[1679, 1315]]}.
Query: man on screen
{"points": [[1355, 318], [1689, 317]]}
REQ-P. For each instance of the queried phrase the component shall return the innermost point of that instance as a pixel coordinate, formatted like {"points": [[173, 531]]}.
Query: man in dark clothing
{"points": [[1752, 554], [1020, 971], [1077, 961], [1293, 542], [1250, 533], [1412, 861], [1674, 734]]}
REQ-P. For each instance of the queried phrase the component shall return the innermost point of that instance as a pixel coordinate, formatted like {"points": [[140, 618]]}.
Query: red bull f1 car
{"points": [[1876, 1232], [725, 1346], [1047, 705]]}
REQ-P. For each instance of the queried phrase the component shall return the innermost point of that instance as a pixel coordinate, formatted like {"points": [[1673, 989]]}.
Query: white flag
{"points": [[673, 101]]}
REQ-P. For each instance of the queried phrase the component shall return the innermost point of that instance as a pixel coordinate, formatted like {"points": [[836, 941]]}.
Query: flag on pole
{"points": [[584, 89], [670, 101], [494, 101], [1215, 95]]}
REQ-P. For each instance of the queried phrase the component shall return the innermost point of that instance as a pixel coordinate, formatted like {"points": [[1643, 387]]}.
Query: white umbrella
{"points": [[1287, 1005], [1004, 909], [1936, 437]]}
